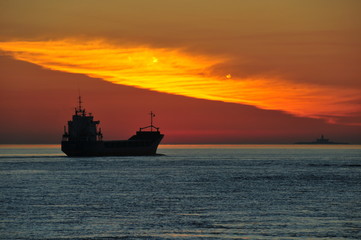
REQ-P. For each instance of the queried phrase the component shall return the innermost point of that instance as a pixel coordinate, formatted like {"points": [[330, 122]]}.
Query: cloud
{"points": [[175, 71]]}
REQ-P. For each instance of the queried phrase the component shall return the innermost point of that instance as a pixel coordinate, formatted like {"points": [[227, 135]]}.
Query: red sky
{"points": [[212, 71]]}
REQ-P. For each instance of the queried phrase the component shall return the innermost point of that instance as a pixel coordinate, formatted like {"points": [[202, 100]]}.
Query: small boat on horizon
{"points": [[321, 140], [84, 139]]}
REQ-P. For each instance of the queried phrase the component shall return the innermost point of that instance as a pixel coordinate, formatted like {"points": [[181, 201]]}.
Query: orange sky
{"points": [[215, 71]]}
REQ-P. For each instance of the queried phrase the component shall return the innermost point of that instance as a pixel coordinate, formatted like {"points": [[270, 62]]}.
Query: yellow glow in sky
{"points": [[176, 72]]}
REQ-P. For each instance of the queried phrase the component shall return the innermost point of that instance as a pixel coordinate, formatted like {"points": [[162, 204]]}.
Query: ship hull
{"points": [[131, 147], [322, 143]]}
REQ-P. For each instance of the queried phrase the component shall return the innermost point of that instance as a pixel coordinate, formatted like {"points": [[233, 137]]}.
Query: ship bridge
{"points": [[82, 127]]}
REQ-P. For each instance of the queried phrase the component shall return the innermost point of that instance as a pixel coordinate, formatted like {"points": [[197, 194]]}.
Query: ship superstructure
{"points": [[321, 140], [84, 138]]}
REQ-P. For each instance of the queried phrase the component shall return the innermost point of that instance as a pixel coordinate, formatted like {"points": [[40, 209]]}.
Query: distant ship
{"points": [[321, 140], [83, 139]]}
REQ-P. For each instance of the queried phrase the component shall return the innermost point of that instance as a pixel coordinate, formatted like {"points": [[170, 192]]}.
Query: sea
{"points": [[185, 192]]}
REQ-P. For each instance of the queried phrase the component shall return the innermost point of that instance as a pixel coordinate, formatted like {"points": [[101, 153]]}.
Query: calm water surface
{"points": [[193, 192]]}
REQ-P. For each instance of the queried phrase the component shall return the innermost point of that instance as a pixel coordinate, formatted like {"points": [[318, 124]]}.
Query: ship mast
{"points": [[151, 120], [151, 126], [80, 102], [80, 109]]}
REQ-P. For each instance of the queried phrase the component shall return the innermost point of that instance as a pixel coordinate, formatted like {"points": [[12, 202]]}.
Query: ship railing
{"points": [[151, 128]]}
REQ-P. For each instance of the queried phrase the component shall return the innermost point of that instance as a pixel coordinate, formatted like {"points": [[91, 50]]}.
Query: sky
{"points": [[213, 71]]}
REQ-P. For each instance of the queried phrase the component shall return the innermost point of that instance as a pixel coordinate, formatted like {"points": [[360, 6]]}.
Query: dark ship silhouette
{"points": [[321, 140], [83, 138]]}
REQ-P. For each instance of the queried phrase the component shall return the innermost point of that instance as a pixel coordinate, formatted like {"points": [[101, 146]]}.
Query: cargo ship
{"points": [[83, 138], [321, 140]]}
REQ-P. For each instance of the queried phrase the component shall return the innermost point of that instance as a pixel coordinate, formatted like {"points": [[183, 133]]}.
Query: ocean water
{"points": [[191, 192]]}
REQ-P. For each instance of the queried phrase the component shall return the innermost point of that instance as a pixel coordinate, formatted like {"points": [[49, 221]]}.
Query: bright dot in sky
{"points": [[228, 76], [155, 60]]}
